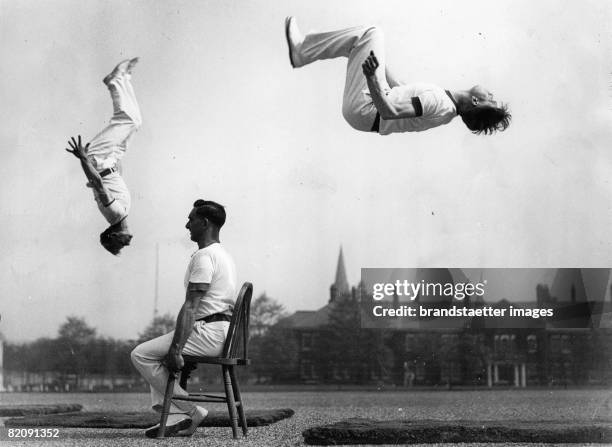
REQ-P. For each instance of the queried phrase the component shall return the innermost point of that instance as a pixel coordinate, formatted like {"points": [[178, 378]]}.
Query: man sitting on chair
{"points": [[202, 323]]}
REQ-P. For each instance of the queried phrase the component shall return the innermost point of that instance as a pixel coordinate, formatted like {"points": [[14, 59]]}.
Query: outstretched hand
{"points": [[370, 65], [77, 148]]}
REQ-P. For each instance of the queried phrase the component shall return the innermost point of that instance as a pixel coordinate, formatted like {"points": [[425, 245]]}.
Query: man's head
{"points": [[484, 114], [205, 219], [114, 239]]}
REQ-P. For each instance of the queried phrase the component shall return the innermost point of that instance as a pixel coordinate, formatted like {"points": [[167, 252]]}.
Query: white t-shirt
{"points": [[119, 206], [438, 108], [213, 265]]}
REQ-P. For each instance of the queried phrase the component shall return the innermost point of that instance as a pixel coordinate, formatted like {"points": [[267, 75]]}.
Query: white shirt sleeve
{"points": [[429, 103], [201, 269]]}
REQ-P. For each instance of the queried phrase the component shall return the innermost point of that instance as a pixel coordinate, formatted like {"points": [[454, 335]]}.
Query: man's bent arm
{"points": [[387, 109], [184, 324]]}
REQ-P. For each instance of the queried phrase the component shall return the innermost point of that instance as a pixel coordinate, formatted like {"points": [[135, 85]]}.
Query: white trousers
{"points": [[206, 339], [355, 44], [109, 146]]}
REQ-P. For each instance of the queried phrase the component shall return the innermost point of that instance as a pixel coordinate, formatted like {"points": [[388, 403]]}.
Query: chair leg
{"points": [[231, 404], [238, 399], [166, 408]]}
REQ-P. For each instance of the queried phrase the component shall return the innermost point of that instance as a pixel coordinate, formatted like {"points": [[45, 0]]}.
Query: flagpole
{"points": [[156, 280]]}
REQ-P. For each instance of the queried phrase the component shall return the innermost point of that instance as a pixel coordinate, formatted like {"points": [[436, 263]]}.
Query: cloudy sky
{"points": [[226, 118]]}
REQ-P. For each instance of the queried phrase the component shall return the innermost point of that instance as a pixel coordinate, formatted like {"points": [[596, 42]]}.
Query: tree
{"points": [[160, 325], [39, 356], [74, 347], [350, 353], [265, 312], [14, 360], [275, 356], [76, 330], [267, 346]]}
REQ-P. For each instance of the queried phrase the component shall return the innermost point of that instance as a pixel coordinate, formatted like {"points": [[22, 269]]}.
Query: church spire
{"points": [[340, 287], [341, 282]]}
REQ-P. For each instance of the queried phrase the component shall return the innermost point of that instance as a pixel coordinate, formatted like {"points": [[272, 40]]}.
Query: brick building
{"points": [[577, 351]]}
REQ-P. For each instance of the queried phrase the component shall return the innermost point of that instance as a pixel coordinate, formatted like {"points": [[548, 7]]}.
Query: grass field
{"points": [[314, 408]]}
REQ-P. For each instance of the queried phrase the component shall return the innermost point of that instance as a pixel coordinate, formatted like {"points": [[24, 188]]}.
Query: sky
{"points": [[226, 118]]}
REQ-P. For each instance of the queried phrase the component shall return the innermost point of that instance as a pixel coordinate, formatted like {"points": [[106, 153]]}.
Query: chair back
{"points": [[238, 333]]}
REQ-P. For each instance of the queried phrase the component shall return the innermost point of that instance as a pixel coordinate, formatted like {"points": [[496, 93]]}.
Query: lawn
{"points": [[314, 408]]}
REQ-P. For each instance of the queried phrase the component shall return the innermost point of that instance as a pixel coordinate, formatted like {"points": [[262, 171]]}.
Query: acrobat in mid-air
{"points": [[374, 101], [101, 157]]}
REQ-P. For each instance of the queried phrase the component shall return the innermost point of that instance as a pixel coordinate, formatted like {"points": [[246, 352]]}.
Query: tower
{"points": [[340, 287]]}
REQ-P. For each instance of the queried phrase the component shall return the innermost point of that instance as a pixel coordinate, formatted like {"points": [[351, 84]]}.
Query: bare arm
{"points": [[92, 175], [386, 108], [184, 325]]}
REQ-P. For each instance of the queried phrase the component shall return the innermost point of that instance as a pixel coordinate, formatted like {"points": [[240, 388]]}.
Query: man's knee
{"points": [[136, 355], [357, 119], [131, 120], [137, 120], [349, 116]]}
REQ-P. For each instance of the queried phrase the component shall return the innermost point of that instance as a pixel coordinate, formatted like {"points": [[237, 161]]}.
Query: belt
{"points": [[376, 124], [107, 171], [215, 317]]}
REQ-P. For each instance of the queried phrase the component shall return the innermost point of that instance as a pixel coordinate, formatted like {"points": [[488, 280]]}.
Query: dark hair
{"points": [[487, 119], [210, 210], [113, 240]]}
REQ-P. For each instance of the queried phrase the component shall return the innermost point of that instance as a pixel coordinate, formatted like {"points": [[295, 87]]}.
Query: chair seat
{"points": [[216, 360]]}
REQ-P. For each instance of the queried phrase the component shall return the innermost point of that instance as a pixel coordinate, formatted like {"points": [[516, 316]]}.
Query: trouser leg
{"points": [[205, 340], [357, 106], [147, 358], [354, 44], [109, 146]]}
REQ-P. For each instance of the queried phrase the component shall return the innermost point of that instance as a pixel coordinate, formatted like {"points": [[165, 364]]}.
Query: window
{"points": [[306, 369], [566, 345], [504, 342], [306, 341], [532, 343], [410, 342]]}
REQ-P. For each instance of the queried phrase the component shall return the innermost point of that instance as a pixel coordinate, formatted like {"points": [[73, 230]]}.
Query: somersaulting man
{"points": [[374, 101], [101, 157]]}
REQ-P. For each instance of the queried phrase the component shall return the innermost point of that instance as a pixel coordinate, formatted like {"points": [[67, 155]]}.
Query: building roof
{"points": [[580, 285], [582, 298], [304, 319]]}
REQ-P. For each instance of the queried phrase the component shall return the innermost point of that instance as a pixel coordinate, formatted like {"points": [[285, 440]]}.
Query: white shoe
{"points": [[122, 68], [197, 417], [294, 41], [131, 64], [174, 424]]}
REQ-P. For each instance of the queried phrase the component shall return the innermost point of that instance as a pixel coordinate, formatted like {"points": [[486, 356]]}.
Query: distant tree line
{"points": [[341, 352], [78, 351]]}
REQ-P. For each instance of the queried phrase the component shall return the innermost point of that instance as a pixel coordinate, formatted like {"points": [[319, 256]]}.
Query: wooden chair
{"points": [[237, 335]]}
